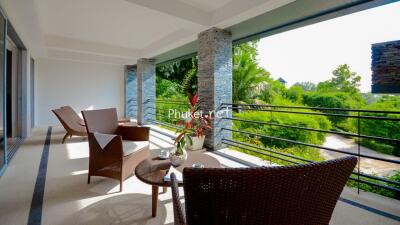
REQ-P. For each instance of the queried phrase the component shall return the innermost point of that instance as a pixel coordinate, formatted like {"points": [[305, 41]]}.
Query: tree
{"points": [[175, 71], [343, 80], [307, 85], [295, 93], [247, 75]]}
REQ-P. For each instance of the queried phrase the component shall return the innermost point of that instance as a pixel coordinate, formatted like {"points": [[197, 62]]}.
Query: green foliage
{"points": [[176, 70], [166, 88], [283, 132], [382, 128], [295, 93], [272, 92], [247, 75], [306, 86], [343, 80], [189, 83], [340, 100], [378, 190]]}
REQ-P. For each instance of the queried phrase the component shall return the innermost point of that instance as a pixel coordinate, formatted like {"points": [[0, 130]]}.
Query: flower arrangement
{"points": [[194, 126]]}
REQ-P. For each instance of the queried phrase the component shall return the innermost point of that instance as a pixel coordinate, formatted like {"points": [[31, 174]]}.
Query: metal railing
{"points": [[162, 110], [161, 115], [358, 176]]}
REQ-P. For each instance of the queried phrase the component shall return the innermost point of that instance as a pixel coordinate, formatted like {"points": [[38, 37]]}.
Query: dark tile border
{"points": [[35, 212]]}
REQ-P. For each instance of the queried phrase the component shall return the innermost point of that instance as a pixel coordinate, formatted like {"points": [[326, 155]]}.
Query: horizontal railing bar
{"points": [[165, 124], [361, 174], [305, 160], [379, 178], [168, 101], [375, 184], [262, 153], [319, 114], [267, 149], [312, 129], [316, 108], [172, 103], [315, 146]]}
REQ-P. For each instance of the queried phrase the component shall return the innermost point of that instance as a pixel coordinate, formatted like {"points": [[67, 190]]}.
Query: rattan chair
{"points": [[119, 158], [294, 195], [71, 124]]}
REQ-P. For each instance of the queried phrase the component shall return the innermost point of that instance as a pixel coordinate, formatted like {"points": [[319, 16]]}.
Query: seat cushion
{"points": [[130, 147]]}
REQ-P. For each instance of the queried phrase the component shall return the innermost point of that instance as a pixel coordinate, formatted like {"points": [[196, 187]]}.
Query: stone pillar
{"points": [[215, 82], [146, 91], [131, 92]]}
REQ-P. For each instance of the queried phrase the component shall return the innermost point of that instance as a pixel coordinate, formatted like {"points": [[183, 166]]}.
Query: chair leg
{"points": [[120, 185], [65, 137], [88, 179]]}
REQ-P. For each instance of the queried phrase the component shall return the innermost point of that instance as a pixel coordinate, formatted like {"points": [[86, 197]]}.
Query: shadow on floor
{"points": [[132, 209]]}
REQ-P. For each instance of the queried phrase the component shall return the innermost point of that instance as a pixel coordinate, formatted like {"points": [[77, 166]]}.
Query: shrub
{"points": [[339, 100], [311, 137], [382, 128]]}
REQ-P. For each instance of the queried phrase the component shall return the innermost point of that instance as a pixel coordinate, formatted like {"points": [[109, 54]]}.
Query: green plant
{"points": [[196, 124]]}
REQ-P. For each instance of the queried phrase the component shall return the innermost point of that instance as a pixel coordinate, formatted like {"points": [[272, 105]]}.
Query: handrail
{"points": [[315, 108]]}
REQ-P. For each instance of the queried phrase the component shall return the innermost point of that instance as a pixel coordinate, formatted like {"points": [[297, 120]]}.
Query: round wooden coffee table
{"points": [[152, 172]]}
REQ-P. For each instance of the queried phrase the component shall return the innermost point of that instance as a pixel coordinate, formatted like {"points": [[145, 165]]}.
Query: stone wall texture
{"points": [[131, 92], [215, 82], [386, 67], [146, 90]]}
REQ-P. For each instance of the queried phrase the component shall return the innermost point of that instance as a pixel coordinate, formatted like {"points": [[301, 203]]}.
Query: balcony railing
{"points": [[359, 115], [162, 111], [163, 119]]}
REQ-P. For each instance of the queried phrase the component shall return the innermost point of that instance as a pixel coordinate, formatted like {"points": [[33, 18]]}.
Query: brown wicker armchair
{"points": [[124, 151], [295, 195], [70, 123]]}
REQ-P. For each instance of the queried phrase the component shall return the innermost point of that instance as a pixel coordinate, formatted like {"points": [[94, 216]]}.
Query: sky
{"points": [[311, 53]]}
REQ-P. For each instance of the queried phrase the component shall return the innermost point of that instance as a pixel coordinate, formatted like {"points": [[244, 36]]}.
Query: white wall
{"points": [[80, 85]]}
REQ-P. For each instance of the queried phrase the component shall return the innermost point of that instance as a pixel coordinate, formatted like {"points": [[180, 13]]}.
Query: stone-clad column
{"points": [[130, 92], [146, 91], [215, 82]]}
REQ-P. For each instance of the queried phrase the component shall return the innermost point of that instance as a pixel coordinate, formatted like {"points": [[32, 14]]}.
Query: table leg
{"points": [[164, 190], [154, 197]]}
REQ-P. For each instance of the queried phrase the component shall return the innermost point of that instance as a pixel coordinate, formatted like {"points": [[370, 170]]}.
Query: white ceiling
{"points": [[121, 31]]}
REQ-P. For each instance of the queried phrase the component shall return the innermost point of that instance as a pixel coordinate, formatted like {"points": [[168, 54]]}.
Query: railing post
{"points": [[359, 151], [146, 91], [215, 82]]}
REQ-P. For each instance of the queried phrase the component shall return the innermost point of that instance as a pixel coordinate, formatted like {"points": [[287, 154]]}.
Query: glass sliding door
{"points": [[3, 137]]}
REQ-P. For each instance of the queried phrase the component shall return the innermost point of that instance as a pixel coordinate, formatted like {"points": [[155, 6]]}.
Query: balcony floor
{"points": [[67, 199]]}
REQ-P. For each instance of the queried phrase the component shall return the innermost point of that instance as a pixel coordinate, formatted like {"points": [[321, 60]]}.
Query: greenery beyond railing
{"points": [[289, 135]]}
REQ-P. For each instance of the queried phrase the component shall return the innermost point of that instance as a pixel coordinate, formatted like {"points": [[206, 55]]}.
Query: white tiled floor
{"points": [[69, 200]]}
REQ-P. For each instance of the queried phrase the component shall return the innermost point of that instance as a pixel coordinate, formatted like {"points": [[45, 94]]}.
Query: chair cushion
{"points": [[130, 147]]}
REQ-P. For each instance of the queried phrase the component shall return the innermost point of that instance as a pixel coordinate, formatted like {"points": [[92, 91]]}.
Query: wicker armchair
{"points": [[127, 148], [71, 124], [295, 195]]}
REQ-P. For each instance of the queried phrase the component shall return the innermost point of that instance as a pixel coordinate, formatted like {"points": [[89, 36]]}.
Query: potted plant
{"points": [[195, 125]]}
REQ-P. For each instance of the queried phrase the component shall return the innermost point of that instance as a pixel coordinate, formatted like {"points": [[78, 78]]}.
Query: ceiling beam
{"points": [[178, 10], [87, 47]]}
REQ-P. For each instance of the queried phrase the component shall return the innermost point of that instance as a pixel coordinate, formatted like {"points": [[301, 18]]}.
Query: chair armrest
{"points": [[131, 133], [179, 216]]}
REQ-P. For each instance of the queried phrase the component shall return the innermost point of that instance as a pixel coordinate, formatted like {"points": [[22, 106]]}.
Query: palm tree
{"points": [[247, 77]]}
